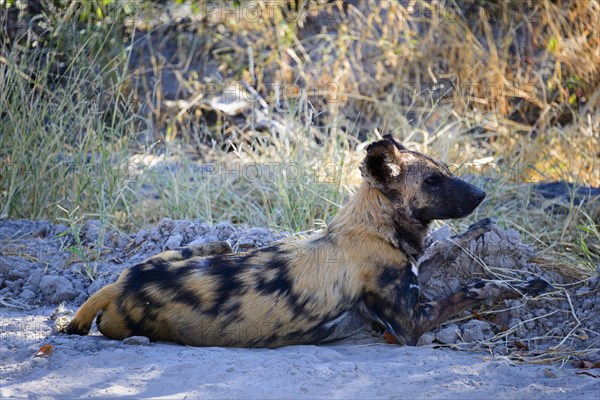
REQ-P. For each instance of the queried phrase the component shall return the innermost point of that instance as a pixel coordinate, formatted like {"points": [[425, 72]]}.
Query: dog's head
{"points": [[422, 187]]}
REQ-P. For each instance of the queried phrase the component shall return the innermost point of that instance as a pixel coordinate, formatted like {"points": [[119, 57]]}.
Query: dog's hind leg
{"points": [[82, 321]]}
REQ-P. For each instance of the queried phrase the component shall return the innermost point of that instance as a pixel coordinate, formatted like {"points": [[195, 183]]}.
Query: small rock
{"points": [[57, 288], [78, 285], [91, 230], [204, 239], [107, 344], [253, 237], [539, 312], [196, 229], [491, 239], [137, 340], [513, 236], [122, 241], [140, 237], [96, 285], [595, 280], [245, 243], [448, 334], [33, 282], [440, 234], [27, 294], [582, 290], [155, 235], [59, 229], [81, 298], [515, 310], [517, 325], [453, 284], [21, 272], [587, 304], [426, 339], [224, 230], [180, 226], [174, 241], [165, 226], [14, 286], [473, 331]]}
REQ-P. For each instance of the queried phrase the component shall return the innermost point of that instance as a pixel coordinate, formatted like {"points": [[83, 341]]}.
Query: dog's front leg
{"points": [[394, 302], [433, 314]]}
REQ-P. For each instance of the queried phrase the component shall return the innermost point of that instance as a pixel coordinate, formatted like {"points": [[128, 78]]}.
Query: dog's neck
{"points": [[370, 212]]}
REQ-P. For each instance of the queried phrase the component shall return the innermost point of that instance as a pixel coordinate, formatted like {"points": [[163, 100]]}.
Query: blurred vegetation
{"points": [[118, 110]]}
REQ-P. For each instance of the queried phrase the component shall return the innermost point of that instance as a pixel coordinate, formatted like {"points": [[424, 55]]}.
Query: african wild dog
{"points": [[315, 290]]}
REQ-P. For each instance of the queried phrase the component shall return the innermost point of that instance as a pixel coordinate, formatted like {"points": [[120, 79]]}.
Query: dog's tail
{"points": [[82, 321]]}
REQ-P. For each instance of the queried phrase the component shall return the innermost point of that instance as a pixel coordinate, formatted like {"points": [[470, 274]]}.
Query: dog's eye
{"points": [[433, 180]]}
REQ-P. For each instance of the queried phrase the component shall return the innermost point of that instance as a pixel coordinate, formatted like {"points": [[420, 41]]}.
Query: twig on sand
{"points": [[12, 303]]}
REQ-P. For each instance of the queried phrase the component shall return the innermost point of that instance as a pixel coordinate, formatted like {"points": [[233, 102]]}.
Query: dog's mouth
{"points": [[474, 199], [463, 200], [460, 211], [460, 205], [466, 207]]}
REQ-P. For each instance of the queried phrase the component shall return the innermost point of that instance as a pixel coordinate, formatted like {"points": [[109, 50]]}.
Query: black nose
{"points": [[478, 196]]}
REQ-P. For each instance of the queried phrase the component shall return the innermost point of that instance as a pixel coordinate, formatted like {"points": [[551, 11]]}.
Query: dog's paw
{"points": [[74, 328], [491, 291], [484, 291]]}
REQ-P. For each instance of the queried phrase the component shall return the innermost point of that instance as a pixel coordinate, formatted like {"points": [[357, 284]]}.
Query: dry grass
{"points": [[504, 90]]}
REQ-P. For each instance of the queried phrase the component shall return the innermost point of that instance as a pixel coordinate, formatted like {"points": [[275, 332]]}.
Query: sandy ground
{"points": [[359, 367], [35, 273]]}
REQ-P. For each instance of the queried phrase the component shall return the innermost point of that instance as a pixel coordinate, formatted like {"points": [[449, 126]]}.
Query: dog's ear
{"points": [[382, 163], [396, 143]]}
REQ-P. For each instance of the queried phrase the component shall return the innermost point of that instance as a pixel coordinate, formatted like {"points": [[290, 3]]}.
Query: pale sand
{"points": [[357, 368]]}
